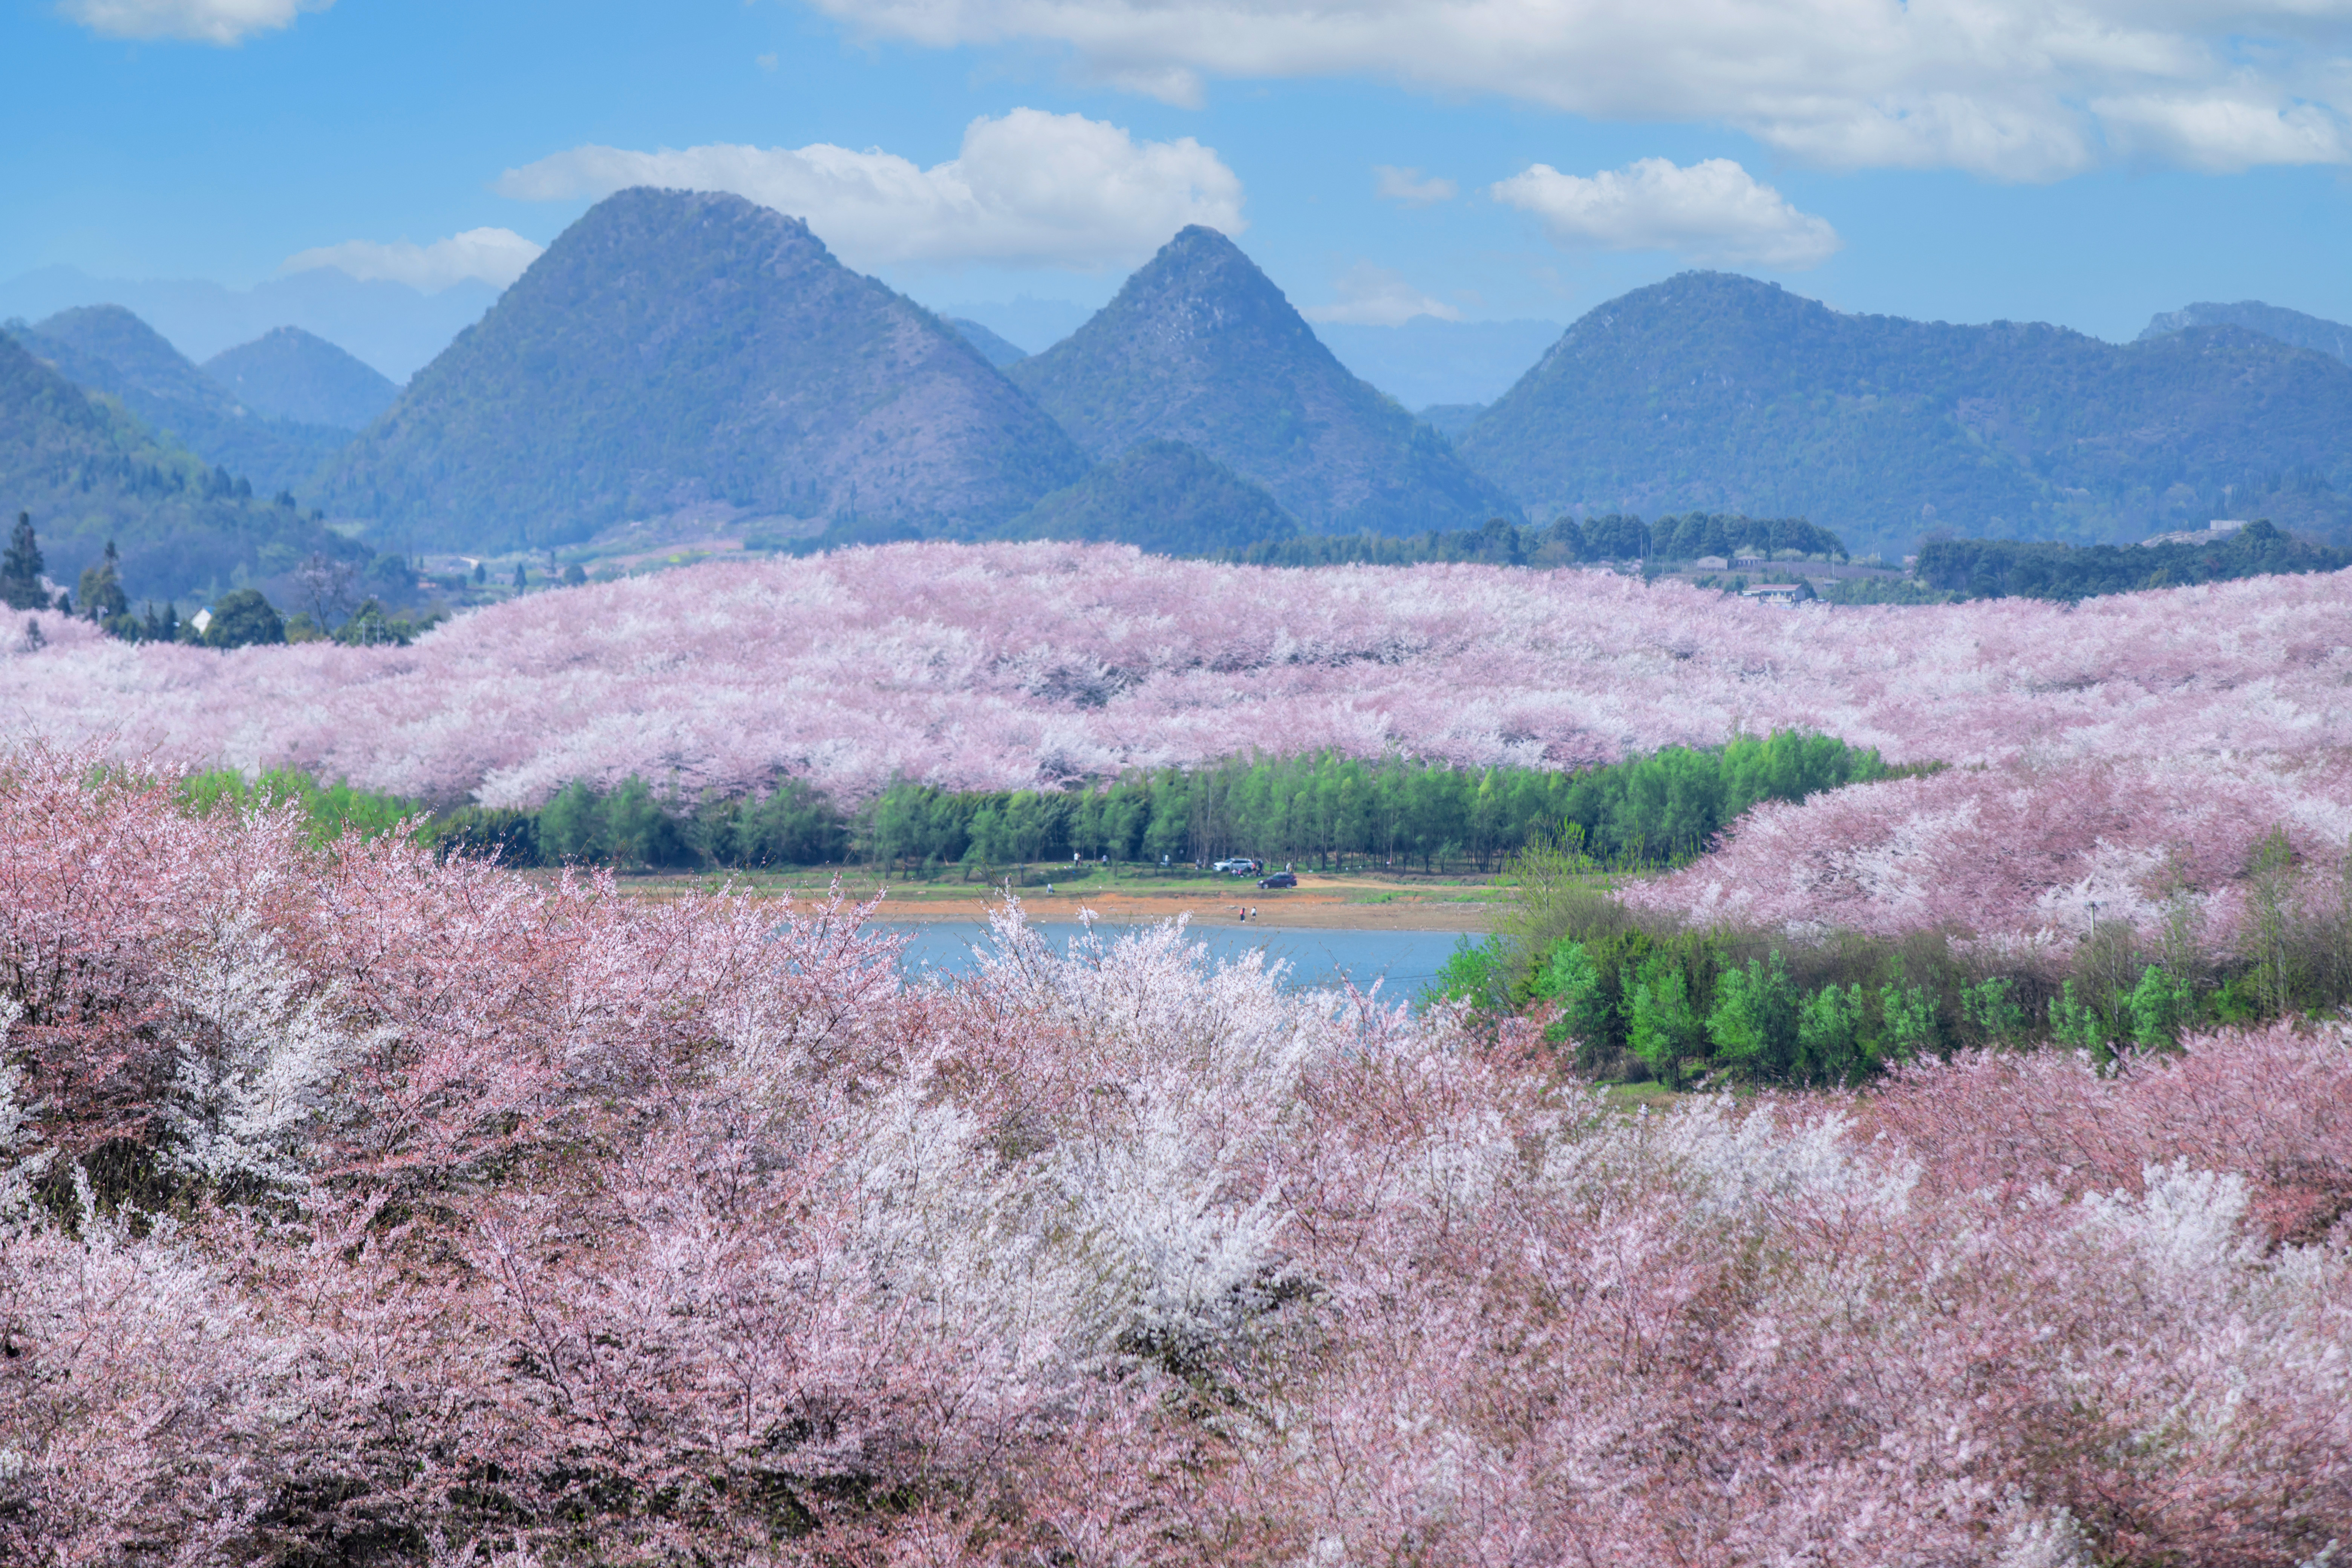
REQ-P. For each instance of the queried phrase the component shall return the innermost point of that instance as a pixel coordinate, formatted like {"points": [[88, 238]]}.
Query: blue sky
{"points": [[1965, 160]]}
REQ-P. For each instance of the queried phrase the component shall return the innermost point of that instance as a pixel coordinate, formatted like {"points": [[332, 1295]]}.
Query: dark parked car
{"points": [[1279, 880]]}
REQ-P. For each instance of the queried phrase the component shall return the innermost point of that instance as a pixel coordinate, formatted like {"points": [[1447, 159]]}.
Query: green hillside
{"points": [[1201, 347], [106, 349], [288, 373], [1162, 496], [1715, 393], [88, 471], [692, 354]]}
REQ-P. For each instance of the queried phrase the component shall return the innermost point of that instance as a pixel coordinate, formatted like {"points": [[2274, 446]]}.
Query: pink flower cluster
{"points": [[533, 1222]]}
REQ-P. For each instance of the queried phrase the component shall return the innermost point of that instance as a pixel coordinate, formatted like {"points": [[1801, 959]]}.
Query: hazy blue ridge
{"points": [[87, 470], [2313, 332], [1718, 392], [288, 373], [1201, 347], [393, 327], [107, 349], [1161, 496], [994, 349], [692, 354]]}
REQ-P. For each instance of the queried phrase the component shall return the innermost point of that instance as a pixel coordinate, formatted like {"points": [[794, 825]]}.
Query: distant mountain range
{"points": [[391, 326], [1201, 347], [88, 471], [105, 348], [689, 359], [288, 373], [1712, 392]]}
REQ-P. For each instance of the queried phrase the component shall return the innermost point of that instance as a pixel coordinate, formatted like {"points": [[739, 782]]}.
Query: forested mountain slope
{"points": [[1718, 392], [2287, 326], [105, 348], [288, 373], [87, 472], [1201, 347], [693, 353]]}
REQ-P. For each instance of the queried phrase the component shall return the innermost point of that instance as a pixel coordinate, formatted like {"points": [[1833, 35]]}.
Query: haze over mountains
{"points": [[105, 348], [89, 471], [288, 373], [696, 360]]}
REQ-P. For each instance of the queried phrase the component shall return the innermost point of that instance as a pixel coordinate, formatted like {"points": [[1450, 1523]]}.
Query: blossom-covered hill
{"points": [[1013, 664], [1004, 665]]}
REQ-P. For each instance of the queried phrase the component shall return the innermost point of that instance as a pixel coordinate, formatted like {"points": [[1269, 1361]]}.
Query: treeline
{"points": [[633, 826], [1566, 543], [1333, 812], [1999, 568], [1322, 811], [1638, 997]]}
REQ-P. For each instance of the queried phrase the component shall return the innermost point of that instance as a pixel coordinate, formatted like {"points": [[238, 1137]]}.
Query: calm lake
{"points": [[1407, 960]]}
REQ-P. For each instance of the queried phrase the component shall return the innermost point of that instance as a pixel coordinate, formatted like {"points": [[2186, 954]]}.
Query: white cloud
{"points": [[1711, 211], [1394, 185], [2018, 89], [200, 21], [492, 254], [1373, 295], [1029, 189]]}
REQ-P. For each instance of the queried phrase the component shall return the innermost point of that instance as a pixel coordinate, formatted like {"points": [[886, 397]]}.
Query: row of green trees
{"points": [[1332, 811], [1323, 810]]}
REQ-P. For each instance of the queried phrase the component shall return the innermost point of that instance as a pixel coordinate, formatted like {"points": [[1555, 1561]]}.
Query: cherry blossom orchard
{"points": [[354, 1206], [1007, 665], [2088, 745]]}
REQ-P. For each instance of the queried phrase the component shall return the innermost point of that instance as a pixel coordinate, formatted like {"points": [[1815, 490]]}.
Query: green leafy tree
{"points": [[1574, 983], [1661, 1025], [1992, 1006], [2157, 1005], [21, 567], [243, 618], [1829, 1036], [1756, 1020], [1907, 1017], [2076, 1024]]}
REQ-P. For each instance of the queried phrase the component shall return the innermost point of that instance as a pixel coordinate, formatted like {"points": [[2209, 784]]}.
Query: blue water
{"points": [[1405, 959]]}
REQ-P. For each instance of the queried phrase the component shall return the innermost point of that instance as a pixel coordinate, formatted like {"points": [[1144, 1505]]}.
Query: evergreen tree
{"points": [[521, 580], [102, 599], [20, 568]]}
